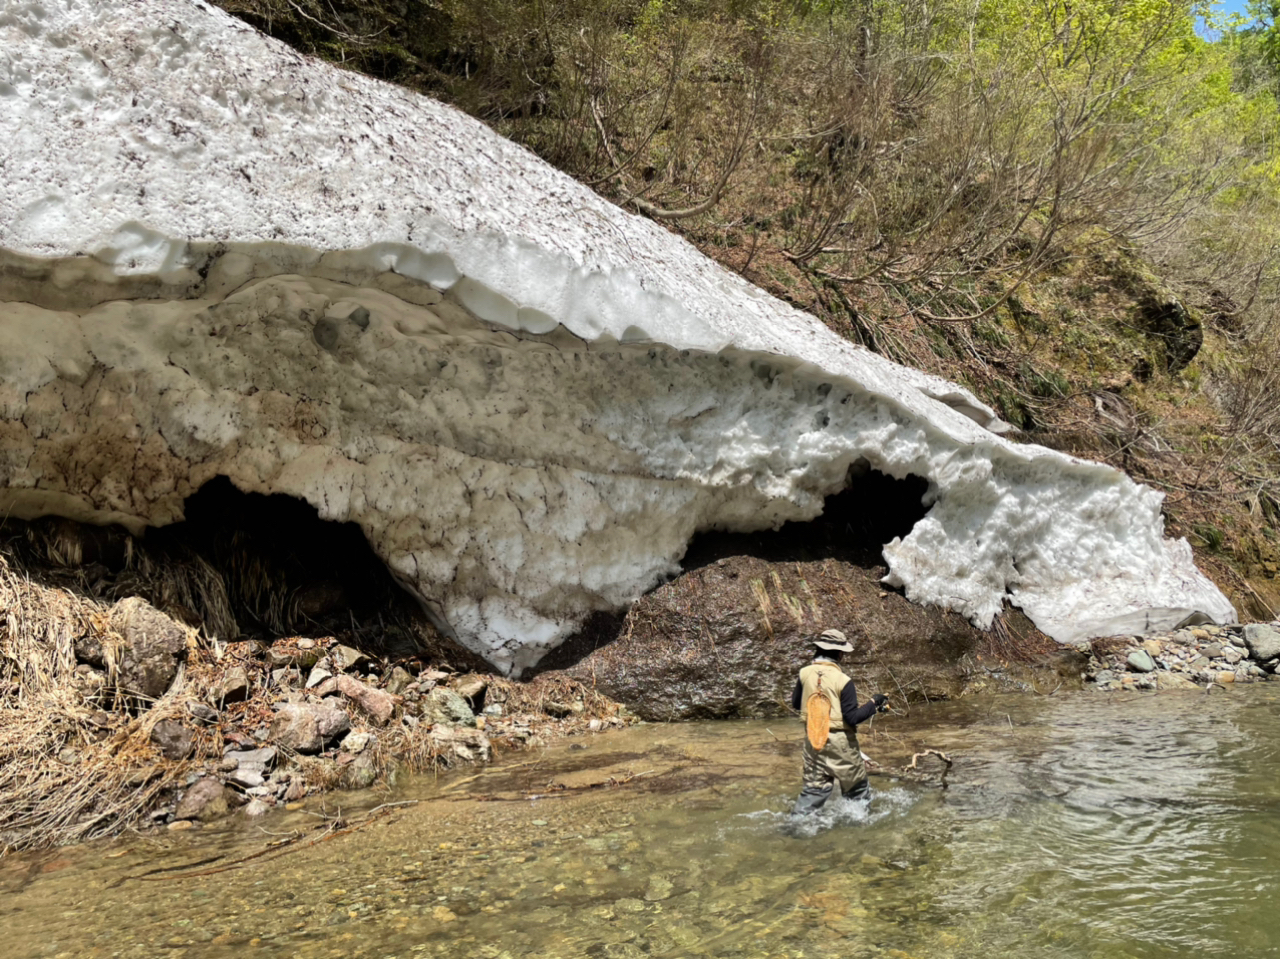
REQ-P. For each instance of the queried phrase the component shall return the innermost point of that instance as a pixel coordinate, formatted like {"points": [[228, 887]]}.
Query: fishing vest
{"points": [[834, 681]]}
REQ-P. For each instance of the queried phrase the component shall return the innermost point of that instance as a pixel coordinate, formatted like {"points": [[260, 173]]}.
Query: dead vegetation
{"points": [[68, 772]]}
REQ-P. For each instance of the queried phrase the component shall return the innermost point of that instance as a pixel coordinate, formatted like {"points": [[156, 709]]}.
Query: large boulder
{"points": [[1263, 641], [528, 399]]}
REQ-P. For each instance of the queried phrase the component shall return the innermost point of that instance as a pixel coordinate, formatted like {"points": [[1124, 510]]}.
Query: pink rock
{"points": [[378, 704]]}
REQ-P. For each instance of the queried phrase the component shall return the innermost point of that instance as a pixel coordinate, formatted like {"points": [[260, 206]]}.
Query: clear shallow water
{"points": [[1134, 827]]}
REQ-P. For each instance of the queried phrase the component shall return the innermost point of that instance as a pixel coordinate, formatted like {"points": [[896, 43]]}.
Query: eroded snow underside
{"points": [[219, 258]]}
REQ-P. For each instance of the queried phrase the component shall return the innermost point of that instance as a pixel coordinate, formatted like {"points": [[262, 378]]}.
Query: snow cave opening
{"points": [[855, 524], [285, 570]]}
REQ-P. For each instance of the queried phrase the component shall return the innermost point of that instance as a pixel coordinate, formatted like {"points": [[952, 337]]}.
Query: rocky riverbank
{"points": [[117, 715], [1190, 658]]}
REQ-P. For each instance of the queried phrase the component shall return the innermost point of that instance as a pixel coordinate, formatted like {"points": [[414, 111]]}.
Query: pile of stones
{"points": [[1188, 658], [302, 715]]}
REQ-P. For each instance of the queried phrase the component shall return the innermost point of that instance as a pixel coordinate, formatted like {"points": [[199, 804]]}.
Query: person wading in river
{"points": [[829, 703]]}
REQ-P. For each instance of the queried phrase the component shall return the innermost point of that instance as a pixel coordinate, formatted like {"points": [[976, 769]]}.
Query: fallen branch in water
{"points": [[912, 769]]}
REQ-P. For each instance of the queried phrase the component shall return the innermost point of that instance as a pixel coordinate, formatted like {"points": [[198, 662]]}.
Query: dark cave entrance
{"points": [[285, 570], [854, 527], [244, 566]]}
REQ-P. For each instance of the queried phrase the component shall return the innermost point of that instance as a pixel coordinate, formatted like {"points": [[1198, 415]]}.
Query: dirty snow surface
{"points": [[218, 257]]}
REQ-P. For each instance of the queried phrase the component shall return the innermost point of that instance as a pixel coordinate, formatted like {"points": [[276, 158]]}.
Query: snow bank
{"points": [[219, 257]]}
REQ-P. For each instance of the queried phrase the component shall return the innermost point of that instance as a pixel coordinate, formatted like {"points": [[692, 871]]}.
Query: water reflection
{"points": [[1074, 826]]}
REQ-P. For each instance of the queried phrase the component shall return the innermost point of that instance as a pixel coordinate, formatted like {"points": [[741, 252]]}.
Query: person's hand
{"points": [[881, 701]]}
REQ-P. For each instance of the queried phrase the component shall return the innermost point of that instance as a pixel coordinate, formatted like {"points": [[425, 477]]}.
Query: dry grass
{"points": [[68, 772]]}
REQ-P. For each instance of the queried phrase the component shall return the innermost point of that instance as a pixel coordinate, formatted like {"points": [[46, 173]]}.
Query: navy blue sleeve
{"points": [[795, 695], [849, 708]]}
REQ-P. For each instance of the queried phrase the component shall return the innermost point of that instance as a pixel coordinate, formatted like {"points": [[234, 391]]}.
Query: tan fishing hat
{"points": [[835, 641]]}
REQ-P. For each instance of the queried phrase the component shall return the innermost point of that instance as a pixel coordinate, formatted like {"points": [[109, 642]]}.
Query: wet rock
{"points": [[255, 809], [233, 687], [173, 739], [1167, 681], [380, 705], [445, 707], [1140, 661], [1225, 677], [205, 800], [1263, 641], [347, 658], [361, 772], [469, 745], [658, 890], [153, 647]]}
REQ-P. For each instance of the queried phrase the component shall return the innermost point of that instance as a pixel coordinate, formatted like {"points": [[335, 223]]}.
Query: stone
{"points": [[233, 687], [295, 727], [355, 742], [180, 825], [471, 687], [205, 714], [399, 680], [1232, 655], [1200, 662], [469, 745], [379, 705], [1166, 681], [296, 790], [1153, 647], [658, 889], [1103, 677], [361, 772], [1225, 677], [317, 676], [285, 677], [1212, 651], [444, 706], [1263, 641], [205, 800], [153, 647], [173, 739], [245, 778], [255, 808], [346, 658], [1140, 661]]}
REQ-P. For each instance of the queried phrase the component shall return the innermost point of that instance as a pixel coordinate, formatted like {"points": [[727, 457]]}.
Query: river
{"points": [[1076, 825]]}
